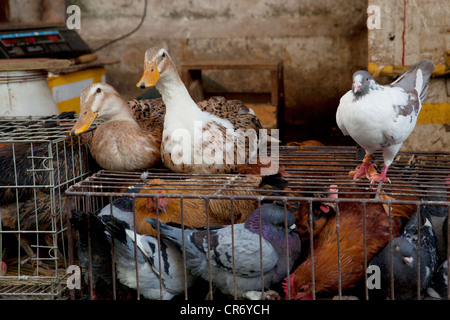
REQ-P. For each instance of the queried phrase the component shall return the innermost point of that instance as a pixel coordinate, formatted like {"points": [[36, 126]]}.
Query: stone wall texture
{"points": [[409, 32], [322, 42]]}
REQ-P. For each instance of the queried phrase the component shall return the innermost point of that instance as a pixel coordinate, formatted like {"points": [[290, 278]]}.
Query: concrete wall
{"points": [[427, 33], [426, 36], [322, 42]]}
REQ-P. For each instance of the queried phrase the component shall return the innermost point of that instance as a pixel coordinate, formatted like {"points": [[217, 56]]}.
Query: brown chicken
{"points": [[33, 175], [35, 214], [194, 209], [322, 211], [25, 164], [351, 244], [261, 163], [305, 144], [303, 167]]}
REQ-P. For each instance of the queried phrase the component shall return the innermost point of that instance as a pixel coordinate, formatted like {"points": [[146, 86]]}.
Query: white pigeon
{"points": [[381, 117]]}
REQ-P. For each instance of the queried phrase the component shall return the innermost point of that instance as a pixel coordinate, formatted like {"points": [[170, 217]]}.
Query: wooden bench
{"points": [[268, 106]]}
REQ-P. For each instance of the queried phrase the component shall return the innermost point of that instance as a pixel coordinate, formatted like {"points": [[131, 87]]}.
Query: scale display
{"points": [[37, 43]]}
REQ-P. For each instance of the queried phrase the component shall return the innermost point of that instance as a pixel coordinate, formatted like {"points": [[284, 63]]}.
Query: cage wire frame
{"points": [[44, 161], [309, 172]]}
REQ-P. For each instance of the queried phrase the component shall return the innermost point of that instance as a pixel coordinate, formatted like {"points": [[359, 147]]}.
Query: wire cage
{"points": [[38, 161], [327, 205]]}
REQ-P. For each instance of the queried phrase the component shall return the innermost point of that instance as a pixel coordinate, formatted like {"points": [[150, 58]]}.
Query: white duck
{"points": [[195, 138]]}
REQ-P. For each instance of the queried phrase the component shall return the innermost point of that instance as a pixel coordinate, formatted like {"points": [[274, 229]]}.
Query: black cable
{"points": [[128, 34]]}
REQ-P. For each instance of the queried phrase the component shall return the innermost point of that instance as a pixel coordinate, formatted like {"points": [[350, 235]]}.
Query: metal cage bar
{"points": [[40, 161], [417, 179]]}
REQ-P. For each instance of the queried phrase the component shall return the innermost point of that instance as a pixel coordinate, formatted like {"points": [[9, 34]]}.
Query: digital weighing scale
{"points": [[48, 42], [23, 84]]}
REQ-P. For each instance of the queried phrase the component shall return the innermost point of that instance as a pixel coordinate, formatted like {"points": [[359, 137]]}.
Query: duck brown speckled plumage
{"points": [[149, 113], [195, 140], [223, 108]]}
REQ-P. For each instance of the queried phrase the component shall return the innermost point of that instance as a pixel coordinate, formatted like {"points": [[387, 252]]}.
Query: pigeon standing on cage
{"points": [[260, 250], [381, 117]]}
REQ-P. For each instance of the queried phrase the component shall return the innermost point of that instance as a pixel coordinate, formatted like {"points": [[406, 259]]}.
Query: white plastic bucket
{"points": [[26, 93]]}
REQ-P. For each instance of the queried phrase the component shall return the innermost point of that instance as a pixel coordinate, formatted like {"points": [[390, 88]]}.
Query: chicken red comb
{"points": [[298, 296], [291, 284], [163, 203]]}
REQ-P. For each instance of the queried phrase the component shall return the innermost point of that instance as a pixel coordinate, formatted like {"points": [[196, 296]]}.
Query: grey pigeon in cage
{"points": [[88, 225], [160, 266], [116, 219], [381, 117], [121, 208], [405, 260], [245, 254], [438, 288]]}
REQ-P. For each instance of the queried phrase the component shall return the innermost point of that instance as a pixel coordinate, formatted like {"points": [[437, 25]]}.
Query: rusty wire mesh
{"points": [[418, 179], [38, 163]]}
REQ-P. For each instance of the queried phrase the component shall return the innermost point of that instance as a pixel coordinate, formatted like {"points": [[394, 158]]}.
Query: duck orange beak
{"points": [[84, 122], [150, 76]]}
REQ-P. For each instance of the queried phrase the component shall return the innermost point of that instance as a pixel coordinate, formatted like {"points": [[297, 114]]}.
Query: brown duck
{"points": [[129, 137]]}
